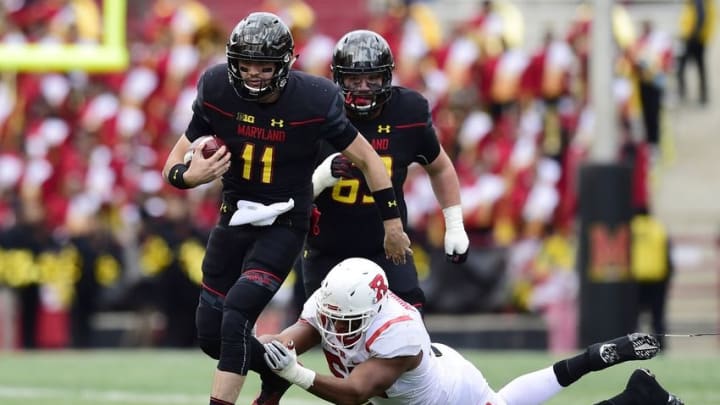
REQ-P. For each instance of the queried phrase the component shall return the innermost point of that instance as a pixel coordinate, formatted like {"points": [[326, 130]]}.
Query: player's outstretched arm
{"points": [[446, 186], [397, 243], [371, 378], [273, 386], [303, 336]]}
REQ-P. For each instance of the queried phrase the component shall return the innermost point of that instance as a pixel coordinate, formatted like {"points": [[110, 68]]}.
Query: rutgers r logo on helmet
{"points": [[260, 37], [379, 285]]}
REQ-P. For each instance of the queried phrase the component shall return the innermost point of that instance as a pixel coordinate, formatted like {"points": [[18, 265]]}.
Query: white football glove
{"points": [[456, 239], [322, 176], [283, 361]]}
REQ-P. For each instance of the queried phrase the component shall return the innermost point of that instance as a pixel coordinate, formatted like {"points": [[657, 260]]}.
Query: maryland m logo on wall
{"points": [[609, 253]]}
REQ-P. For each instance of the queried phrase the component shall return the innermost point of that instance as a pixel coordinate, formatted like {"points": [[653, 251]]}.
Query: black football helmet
{"points": [[260, 37], [363, 52]]}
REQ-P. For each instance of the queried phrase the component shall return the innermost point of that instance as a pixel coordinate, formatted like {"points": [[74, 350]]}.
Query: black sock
{"points": [[596, 362], [215, 401], [570, 370]]}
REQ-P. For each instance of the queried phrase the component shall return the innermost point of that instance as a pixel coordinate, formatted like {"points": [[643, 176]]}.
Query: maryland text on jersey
{"points": [[265, 134]]}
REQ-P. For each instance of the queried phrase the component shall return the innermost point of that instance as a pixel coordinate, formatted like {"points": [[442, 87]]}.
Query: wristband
{"points": [[386, 203], [304, 377], [453, 217], [175, 176]]}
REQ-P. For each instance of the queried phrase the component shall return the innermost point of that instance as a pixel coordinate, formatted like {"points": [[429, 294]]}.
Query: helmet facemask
{"points": [[343, 331], [364, 102], [245, 90]]}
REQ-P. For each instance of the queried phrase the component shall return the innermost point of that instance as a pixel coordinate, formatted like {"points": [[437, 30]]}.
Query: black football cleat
{"points": [[635, 346], [646, 390], [673, 400]]}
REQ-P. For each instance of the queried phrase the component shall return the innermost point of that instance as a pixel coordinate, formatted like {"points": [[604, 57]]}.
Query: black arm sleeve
{"points": [[429, 148], [337, 128]]}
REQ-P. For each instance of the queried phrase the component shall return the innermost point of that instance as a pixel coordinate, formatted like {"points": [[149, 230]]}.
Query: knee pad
{"points": [[414, 297], [251, 294], [208, 321]]}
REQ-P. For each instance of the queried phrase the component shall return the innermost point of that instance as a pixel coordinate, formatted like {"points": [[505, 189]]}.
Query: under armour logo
{"points": [[223, 208], [392, 203], [277, 123], [383, 129]]}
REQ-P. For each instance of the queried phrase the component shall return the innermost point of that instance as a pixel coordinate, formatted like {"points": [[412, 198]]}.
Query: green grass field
{"points": [[153, 377]]}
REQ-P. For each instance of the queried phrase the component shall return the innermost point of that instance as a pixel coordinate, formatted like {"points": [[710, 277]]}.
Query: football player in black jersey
{"points": [[273, 122], [397, 123]]}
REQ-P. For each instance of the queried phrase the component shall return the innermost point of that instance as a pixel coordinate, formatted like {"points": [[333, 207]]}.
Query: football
{"points": [[208, 144]]}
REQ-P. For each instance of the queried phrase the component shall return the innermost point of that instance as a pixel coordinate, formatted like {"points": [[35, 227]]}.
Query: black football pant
{"points": [[243, 268], [402, 278]]}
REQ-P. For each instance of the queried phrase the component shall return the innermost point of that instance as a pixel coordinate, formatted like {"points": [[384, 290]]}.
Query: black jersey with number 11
{"points": [[274, 146]]}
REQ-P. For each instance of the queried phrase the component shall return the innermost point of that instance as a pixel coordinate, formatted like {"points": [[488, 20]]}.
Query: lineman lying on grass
{"points": [[378, 349]]}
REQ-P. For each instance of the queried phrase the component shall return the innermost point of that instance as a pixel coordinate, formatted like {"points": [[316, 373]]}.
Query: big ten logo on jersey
{"points": [[242, 117]]}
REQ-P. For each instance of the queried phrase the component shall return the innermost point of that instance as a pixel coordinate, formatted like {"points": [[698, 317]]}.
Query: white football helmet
{"points": [[348, 299]]}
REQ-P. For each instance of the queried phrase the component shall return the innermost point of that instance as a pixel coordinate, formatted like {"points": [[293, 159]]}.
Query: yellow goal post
{"points": [[108, 56]]}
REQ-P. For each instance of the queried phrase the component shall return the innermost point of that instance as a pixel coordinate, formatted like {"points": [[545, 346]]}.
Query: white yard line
{"points": [[119, 396]]}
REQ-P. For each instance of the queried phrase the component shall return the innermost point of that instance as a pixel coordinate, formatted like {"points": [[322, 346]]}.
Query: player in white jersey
{"points": [[378, 350]]}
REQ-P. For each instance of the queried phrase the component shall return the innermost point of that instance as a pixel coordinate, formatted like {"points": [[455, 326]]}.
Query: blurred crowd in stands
{"points": [[87, 223]]}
